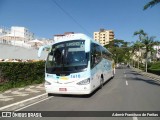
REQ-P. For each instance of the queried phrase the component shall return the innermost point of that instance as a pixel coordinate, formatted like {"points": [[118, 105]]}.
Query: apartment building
{"points": [[16, 33], [22, 32], [104, 36], [4, 31]]}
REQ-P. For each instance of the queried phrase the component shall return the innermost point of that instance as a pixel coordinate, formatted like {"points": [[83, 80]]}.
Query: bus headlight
{"points": [[84, 82], [47, 83]]}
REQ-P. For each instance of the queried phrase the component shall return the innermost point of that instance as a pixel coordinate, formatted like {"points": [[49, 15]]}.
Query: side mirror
{"points": [[42, 48]]}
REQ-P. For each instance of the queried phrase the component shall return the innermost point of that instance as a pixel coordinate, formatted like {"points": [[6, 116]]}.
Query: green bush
{"points": [[142, 66], [20, 74], [149, 64], [154, 68], [154, 71]]}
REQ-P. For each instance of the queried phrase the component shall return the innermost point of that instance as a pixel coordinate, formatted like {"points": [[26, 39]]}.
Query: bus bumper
{"points": [[82, 90]]}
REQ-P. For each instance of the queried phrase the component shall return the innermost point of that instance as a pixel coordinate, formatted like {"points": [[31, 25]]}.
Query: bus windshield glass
{"points": [[67, 57]]}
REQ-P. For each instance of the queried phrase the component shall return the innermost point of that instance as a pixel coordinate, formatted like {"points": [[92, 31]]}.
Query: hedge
{"points": [[154, 68], [20, 74], [154, 71], [155, 65]]}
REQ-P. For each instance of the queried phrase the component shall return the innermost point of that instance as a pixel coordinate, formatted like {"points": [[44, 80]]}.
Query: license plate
{"points": [[62, 89]]}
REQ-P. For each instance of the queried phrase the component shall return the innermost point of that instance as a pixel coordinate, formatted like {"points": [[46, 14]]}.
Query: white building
{"points": [[4, 31], [16, 33], [157, 48], [22, 32]]}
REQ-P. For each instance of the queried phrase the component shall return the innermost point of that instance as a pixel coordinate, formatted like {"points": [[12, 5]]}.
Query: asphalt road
{"points": [[127, 91]]}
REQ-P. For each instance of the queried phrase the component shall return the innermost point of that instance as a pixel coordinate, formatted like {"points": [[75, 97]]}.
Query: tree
{"points": [[119, 49], [115, 43], [151, 4], [136, 48], [148, 43], [140, 34], [127, 54]]}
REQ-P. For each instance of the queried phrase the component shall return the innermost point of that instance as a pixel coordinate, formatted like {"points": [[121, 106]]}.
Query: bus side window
{"points": [[95, 55], [92, 55], [98, 54]]}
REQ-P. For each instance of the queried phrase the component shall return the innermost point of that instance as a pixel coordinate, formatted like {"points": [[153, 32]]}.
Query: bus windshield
{"points": [[67, 57]]}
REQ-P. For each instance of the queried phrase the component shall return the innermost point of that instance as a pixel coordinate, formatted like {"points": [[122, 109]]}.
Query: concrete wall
{"points": [[15, 52]]}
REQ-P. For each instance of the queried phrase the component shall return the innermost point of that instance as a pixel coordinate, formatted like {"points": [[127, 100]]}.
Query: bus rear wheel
{"points": [[101, 83]]}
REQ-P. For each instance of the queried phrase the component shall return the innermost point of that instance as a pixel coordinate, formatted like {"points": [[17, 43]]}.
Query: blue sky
{"points": [[45, 18]]}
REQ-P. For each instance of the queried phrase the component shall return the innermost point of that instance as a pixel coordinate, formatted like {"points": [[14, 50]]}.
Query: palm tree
{"points": [[140, 34], [136, 48], [148, 43], [151, 4]]}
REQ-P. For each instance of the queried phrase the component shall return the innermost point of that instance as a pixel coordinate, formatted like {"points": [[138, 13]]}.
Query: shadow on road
{"points": [[75, 96], [149, 81], [133, 72], [140, 78]]}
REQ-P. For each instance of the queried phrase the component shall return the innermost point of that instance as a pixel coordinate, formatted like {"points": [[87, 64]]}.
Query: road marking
{"points": [[125, 75], [33, 103], [135, 118], [126, 82]]}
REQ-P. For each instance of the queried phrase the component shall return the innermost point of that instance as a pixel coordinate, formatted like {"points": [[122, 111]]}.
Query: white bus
{"points": [[76, 64]]}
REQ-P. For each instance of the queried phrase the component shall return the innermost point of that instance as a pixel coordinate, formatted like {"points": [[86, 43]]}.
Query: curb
{"points": [[23, 103]]}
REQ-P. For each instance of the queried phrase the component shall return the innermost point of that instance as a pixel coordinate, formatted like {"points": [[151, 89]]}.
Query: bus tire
{"points": [[49, 94], [113, 74], [101, 83]]}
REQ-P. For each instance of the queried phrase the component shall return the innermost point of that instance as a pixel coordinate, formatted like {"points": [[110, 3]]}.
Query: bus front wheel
{"points": [[49, 94]]}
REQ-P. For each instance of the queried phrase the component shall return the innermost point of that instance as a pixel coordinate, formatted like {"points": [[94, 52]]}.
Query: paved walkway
{"points": [[20, 94]]}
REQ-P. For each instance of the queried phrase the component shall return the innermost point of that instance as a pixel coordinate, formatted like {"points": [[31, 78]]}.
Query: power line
{"points": [[70, 16]]}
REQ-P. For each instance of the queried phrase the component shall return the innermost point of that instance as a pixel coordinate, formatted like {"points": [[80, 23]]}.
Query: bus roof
{"points": [[74, 36]]}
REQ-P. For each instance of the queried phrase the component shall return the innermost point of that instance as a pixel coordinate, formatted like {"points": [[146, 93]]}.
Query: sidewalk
{"points": [[19, 97], [150, 75]]}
